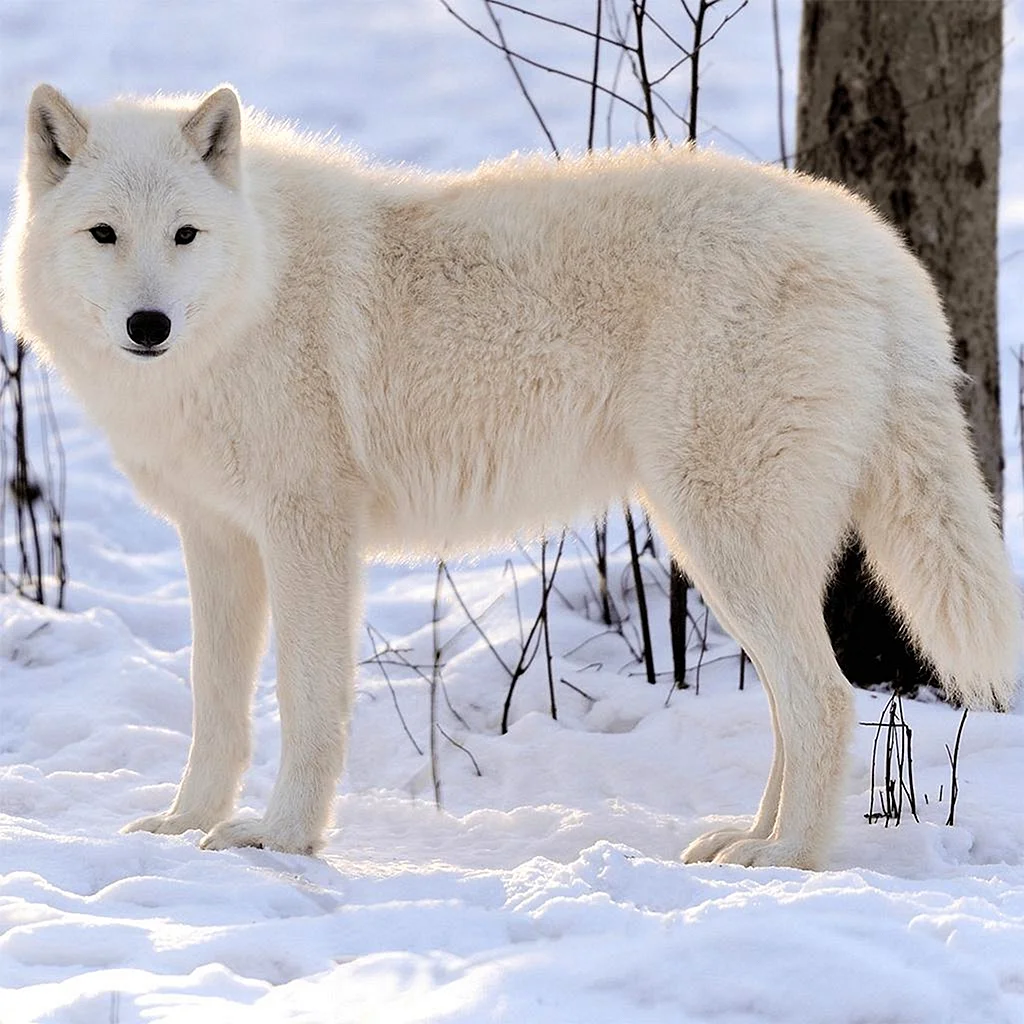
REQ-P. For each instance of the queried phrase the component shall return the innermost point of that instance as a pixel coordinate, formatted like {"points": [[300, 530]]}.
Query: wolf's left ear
{"points": [[56, 132], [214, 130]]}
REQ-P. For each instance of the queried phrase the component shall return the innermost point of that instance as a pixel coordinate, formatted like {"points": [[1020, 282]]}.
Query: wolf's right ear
{"points": [[56, 132], [214, 130]]}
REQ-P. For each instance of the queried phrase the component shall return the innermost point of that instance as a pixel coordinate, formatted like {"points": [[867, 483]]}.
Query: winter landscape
{"points": [[549, 887]]}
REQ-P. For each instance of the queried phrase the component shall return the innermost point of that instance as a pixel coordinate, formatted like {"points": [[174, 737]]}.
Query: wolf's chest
{"points": [[179, 453]]}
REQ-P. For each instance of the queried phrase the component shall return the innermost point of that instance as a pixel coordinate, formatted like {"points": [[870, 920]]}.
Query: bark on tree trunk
{"points": [[900, 102]]}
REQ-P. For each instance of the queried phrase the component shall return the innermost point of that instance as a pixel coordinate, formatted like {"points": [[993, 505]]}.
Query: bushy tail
{"points": [[925, 518]]}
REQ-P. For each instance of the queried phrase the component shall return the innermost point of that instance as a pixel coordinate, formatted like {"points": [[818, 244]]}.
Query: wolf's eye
{"points": [[185, 235], [104, 234]]}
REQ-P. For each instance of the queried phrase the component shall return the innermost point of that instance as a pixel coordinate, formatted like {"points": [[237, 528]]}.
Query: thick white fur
{"points": [[369, 359]]}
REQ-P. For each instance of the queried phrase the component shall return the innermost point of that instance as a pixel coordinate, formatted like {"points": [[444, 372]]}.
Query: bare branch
{"points": [[593, 80], [476, 625], [595, 35], [725, 21], [546, 624], [394, 697], [779, 80], [643, 78], [510, 54], [698, 28], [434, 681], [455, 743], [664, 31], [503, 46], [954, 760], [524, 660], [641, 599]]}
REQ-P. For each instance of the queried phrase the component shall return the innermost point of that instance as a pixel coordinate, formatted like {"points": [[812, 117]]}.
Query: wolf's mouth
{"points": [[144, 352]]}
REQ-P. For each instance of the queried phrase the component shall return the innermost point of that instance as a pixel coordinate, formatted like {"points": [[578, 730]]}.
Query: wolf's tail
{"points": [[926, 521]]}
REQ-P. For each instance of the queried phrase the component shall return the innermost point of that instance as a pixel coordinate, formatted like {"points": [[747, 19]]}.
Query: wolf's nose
{"points": [[148, 327]]}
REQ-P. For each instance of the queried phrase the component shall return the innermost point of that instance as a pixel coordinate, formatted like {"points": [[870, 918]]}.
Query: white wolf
{"points": [[299, 357]]}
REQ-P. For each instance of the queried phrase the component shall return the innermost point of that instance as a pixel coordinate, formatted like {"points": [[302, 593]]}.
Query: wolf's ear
{"points": [[214, 130], [56, 132]]}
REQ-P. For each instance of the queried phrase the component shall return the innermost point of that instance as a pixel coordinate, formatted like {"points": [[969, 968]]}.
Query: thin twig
{"points": [[532, 562], [476, 625], [641, 599], [403, 662], [591, 639], [511, 569], [643, 77], [394, 696], [547, 625], [703, 648], [725, 21], [525, 659], [536, 64], [596, 35], [593, 80], [56, 485], [455, 743], [435, 773], [698, 28], [503, 46], [909, 786], [624, 53], [779, 82], [601, 551], [1020, 405], [576, 689], [665, 32], [679, 589], [954, 761], [899, 755]]}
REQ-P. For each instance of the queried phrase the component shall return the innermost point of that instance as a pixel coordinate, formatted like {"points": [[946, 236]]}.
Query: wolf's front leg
{"points": [[229, 616], [313, 570]]}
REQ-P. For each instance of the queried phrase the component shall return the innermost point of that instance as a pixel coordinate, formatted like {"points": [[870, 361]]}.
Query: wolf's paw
{"points": [[173, 824], [768, 853], [259, 832], [709, 845]]}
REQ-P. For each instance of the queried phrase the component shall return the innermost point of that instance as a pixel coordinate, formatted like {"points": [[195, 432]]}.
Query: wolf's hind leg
{"points": [[710, 844], [813, 705], [229, 615], [764, 575]]}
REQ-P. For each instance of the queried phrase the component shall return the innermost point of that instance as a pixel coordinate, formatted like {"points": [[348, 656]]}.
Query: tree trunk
{"points": [[900, 102]]}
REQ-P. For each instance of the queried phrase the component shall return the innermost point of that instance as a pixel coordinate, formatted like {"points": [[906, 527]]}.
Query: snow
{"points": [[549, 888]]}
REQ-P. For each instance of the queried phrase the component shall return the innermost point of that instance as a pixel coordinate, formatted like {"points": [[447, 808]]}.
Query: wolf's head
{"points": [[132, 230]]}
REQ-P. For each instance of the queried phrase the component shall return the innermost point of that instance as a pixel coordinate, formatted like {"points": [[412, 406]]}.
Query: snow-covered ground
{"points": [[549, 889]]}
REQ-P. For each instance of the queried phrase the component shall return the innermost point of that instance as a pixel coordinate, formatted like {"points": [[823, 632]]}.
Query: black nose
{"points": [[148, 327]]}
